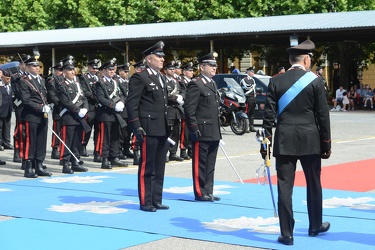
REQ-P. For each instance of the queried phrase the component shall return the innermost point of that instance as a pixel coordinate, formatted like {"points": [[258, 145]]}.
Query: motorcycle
{"points": [[232, 107]]}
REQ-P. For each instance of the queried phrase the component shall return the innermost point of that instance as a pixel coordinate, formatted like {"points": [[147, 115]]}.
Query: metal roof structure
{"points": [[274, 30]]}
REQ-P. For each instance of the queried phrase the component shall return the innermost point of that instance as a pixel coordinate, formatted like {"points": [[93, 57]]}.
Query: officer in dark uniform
{"points": [[53, 99], [123, 79], [185, 145], [139, 66], [296, 99], [88, 82], [202, 117], [74, 107], [175, 110], [248, 85], [17, 136], [34, 117], [6, 107], [147, 112], [111, 104]]}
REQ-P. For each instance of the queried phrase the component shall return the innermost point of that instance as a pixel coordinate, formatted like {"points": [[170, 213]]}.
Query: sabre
{"points": [[70, 151], [261, 137], [221, 143]]}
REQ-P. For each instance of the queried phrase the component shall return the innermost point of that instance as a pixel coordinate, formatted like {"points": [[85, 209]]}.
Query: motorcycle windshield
{"points": [[234, 86]]}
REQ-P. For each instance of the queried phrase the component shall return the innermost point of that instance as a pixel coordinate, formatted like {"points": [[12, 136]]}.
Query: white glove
{"points": [[46, 109], [119, 106], [180, 100], [82, 112]]}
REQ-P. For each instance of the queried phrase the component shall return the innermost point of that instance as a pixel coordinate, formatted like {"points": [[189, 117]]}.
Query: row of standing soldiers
{"points": [[94, 101]]}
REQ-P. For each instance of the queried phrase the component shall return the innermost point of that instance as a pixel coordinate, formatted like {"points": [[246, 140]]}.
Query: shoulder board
{"points": [[149, 71]]}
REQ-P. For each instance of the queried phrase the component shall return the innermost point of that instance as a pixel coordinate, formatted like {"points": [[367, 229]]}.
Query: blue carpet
{"points": [[244, 215], [45, 235]]}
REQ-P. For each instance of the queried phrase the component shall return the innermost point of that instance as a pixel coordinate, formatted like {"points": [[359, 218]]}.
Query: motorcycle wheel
{"points": [[240, 127]]}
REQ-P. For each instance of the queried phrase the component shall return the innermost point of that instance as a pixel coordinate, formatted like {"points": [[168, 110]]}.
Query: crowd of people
{"points": [[355, 98], [150, 113]]}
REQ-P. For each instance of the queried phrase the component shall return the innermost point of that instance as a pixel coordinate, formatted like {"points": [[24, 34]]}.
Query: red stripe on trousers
{"points": [[196, 168], [142, 172], [97, 146], [20, 129], [53, 135], [101, 138], [27, 146], [63, 138], [182, 137]]}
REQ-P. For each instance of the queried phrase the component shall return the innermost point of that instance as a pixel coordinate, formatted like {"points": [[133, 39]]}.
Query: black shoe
{"points": [[79, 168], [106, 164], [55, 154], [97, 158], [84, 152], [128, 153], [122, 156], [1, 148], [184, 155], [66, 168], [8, 146], [29, 172], [286, 240], [322, 229], [161, 206], [204, 198], [39, 170], [174, 157], [16, 156], [2, 162], [116, 162], [215, 198], [148, 208]]}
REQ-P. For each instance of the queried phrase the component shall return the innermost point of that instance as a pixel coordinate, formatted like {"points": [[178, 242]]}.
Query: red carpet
{"points": [[356, 176]]}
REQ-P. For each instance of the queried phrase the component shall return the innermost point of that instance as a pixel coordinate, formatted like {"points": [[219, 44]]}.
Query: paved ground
{"points": [[353, 139]]}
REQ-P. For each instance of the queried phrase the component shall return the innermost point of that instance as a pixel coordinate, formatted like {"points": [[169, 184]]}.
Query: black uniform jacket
{"points": [[202, 109], [304, 125], [147, 103], [51, 85], [67, 92], [124, 87], [88, 83], [108, 94], [175, 111], [33, 95], [6, 101]]}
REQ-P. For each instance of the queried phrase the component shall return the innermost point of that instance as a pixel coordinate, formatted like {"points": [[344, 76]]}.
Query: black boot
{"points": [[190, 153], [16, 155], [128, 153], [55, 154], [116, 162], [106, 164], [174, 157], [184, 155], [66, 167], [136, 157], [2, 162], [23, 165], [78, 168], [39, 170], [29, 172], [97, 157], [84, 151]]}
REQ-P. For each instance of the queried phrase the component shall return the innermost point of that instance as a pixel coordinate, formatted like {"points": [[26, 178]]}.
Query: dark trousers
{"points": [[56, 128], [175, 135], [72, 137], [91, 121], [286, 168], [5, 130], [109, 139], [35, 140], [251, 103], [184, 138], [151, 169], [125, 137], [203, 161]]}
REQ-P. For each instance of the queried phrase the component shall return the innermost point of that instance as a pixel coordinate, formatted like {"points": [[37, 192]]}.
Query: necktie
{"points": [[160, 79]]}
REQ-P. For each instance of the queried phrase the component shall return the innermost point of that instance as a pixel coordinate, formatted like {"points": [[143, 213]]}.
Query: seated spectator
{"points": [[360, 94], [338, 98], [345, 101], [352, 95], [368, 98]]}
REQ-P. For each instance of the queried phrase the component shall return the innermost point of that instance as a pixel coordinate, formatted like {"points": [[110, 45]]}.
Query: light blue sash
{"points": [[293, 91]]}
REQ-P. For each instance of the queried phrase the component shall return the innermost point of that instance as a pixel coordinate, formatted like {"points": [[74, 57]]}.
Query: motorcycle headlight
{"points": [[241, 100], [230, 95]]}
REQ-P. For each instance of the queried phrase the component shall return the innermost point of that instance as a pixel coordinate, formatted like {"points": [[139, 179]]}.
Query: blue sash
{"points": [[293, 91]]}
